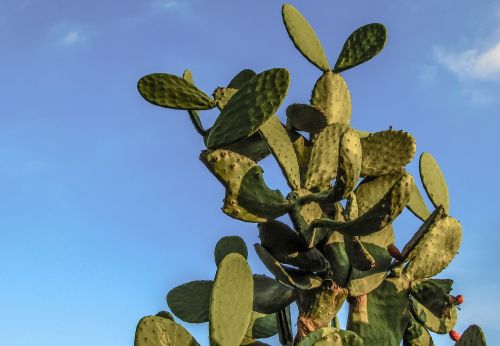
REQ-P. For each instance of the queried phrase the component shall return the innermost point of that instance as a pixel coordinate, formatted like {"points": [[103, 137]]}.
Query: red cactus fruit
{"points": [[394, 252], [459, 299], [454, 335]]}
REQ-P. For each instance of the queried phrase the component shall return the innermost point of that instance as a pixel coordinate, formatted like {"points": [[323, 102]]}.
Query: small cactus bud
{"points": [[454, 335], [394, 252], [459, 299]]}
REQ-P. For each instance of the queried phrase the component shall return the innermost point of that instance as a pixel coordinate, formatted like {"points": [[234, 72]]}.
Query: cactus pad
{"points": [[222, 96], [332, 96], [473, 336], [362, 45], [349, 164], [159, 331], [278, 141], [170, 91], [324, 157], [434, 182], [416, 335], [386, 152], [264, 326], [416, 204], [247, 197], [330, 336], [253, 147], [304, 38], [433, 294], [256, 101], [437, 324], [190, 301], [227, 245], [231, 301], [241, 78], [303, 215], [306, 118], [270, 296]]}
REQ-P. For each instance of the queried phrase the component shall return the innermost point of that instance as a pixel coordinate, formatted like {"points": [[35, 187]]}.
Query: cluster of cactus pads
{"points": [[347, 187]]}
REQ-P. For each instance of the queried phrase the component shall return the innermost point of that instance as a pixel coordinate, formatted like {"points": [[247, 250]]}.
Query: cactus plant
{"points": [[347, 187]]}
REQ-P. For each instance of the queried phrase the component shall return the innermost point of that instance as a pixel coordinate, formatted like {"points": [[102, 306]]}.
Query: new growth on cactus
{"points": [[347, 186]]}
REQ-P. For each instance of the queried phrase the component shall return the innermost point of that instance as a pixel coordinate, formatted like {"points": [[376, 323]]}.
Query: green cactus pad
{"points": [[190, 301], [252, 342], [416, 335], [222, 96], [362, 45], [306, 118], [349, 164], [303, 214], [434, 182], [331, 95], [330, 336], [382, 316], [231, 301], [193, 115], [435, 250], [417, 205], [433, 294], [278, 141], [304, 38], [378, 217], [335, 253], [279, 239], [386, 152], [253, 147], [372, 189], [363, 282], [289, 277], [436, 324], [302, 148], [170, 91], [188, 76], [166, 314], [241, 78], [256, 101], [227, 245], [473, 336], [264, 326], [247, 197], [159, 331], [270, 296], [359, 256], [324, 157]]}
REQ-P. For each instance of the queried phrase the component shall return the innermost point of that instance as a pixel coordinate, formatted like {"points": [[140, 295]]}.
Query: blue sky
{"points": [[105, 205]]}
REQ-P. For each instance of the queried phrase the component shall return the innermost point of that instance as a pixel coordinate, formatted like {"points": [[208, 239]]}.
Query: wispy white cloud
{"points": [[67, 34], [171, 5], [472, 64], [71, 38]]}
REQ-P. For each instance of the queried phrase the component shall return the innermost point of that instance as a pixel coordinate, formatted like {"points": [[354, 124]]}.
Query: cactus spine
{"points": [[330, 253]]}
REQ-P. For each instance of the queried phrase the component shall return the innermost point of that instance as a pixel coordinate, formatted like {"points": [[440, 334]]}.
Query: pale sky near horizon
{"points": [[105, 206]]}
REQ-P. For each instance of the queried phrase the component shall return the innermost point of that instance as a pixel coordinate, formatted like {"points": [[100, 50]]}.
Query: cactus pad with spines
{"points": [[362, 45], [231, 301], [270, 296], [250, 107], [306, 118], [332, 96], [170, 91], [437, 324], [159, 331], [330, 336], [416, 204], [222, 96], [434, 182], [303, 37], [241, 78], [227, 245], [349, 164], [416, 334], [473, 336], [433, 294], [190, 301]]}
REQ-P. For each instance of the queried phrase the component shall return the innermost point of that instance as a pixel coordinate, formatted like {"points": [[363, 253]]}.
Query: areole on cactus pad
{"points": [[334, 242]]}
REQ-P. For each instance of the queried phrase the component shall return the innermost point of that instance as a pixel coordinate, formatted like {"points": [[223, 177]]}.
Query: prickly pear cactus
{"points": [[347, 187]]}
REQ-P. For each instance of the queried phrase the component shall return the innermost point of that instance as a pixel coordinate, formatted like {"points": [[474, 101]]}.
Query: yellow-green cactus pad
{"points": [[435, 250], [437, 324], [289, 276], [222, 96], [170, 91], [434, 182], [335, 253], [270, 296], [416, 334], [416, 204], [190, 301], [187, 75], [247, 197], [231, 301], [473, 336], [256, 101], [363, 282], [382, 316], [372, 189], [159, 331], [362, 45], [274, 133], [262, 326], [227, 245], [330, 336], [241, 78], [349, 164], [302, 215], [433, 294], [302, 148], [324, 157], [386, 152], [253, 147], [306, 118], [332, 96], [379, 216], [304, 37]]}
